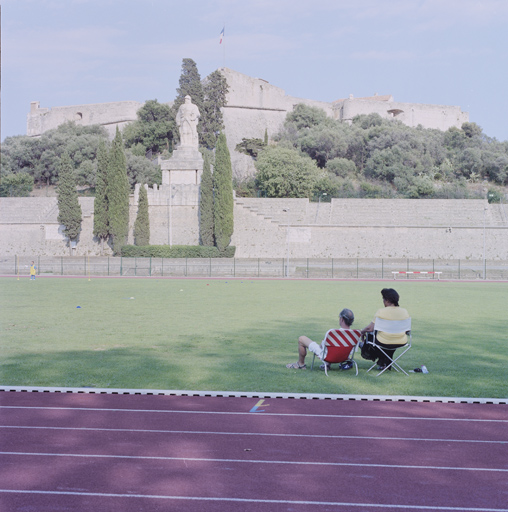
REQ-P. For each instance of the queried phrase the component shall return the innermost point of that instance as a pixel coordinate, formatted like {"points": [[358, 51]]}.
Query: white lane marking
{"points": [[159, 411], [257, 394], [267, 434], [253, 500], [251, 461]]}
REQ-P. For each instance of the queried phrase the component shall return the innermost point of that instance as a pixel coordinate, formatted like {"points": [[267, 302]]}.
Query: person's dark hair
{"points": [[348, 316], [390, 295]]}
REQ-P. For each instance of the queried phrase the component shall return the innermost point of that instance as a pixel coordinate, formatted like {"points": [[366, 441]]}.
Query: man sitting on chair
{"points": [[389, 342], [346, 319]]}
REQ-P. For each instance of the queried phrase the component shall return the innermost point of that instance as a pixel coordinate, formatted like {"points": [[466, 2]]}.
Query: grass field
{"points": [[238, 335]]}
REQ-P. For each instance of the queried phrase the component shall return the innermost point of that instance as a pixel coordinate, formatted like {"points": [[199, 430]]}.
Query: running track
{"points": [[124, 452]]}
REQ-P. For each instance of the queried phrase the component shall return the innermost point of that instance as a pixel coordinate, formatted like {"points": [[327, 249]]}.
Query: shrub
{"points": [[176, 251]]}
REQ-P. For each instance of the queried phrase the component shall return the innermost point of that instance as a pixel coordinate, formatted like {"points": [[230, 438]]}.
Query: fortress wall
{"points": [[401, 242], [178, 224], [261, 229], [253, 106], [249, 124], [257, 237], [249, 92], [40, 120], [440, 117], [422, 235], [245, 123]]}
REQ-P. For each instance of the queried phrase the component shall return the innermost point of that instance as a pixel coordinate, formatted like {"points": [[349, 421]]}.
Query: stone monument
{"points": [[185, 166]]}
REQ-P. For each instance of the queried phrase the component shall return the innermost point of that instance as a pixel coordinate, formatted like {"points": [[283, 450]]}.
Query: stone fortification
{"points": [[441, 117], [344, 228], [253, 107], [109, 115]]}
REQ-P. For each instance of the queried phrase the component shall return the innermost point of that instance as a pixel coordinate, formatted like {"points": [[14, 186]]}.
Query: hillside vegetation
{"points": [[313, 156], [318, 157]]}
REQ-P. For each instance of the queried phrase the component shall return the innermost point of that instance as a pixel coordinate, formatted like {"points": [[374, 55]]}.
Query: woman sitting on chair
{"points": [[389, 342]]}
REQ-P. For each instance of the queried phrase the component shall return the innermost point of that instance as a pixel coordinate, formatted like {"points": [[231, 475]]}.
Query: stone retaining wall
{"points": [[344, 228]]}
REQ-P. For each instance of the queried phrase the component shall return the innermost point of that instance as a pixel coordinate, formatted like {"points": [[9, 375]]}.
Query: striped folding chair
{"points": [[341, 344]]}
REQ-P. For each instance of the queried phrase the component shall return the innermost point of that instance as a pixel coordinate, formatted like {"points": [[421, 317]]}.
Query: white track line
{"points": [[251, 434], [248, 413], [251, 461], [256, 394], [246, 500]]}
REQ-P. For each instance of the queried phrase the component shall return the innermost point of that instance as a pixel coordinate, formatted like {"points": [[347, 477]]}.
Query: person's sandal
{"points": [[296, 366]]}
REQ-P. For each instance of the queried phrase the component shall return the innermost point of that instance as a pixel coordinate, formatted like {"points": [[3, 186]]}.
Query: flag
{"points": [[221, 37]]}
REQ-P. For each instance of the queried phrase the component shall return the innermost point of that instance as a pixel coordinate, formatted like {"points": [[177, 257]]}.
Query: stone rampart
{"points": [[253, 107], [109, 115], [364, 228], [441, 117], [344, 228]]}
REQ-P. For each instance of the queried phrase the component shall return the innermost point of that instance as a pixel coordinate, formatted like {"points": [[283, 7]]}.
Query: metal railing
{"points": [[301, 268]]}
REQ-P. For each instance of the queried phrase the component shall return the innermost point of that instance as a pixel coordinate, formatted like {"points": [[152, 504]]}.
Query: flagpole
{"points": [[223, 42]]}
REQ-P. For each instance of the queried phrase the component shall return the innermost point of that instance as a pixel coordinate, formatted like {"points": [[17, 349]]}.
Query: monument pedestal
{"points": [[185, 167]]}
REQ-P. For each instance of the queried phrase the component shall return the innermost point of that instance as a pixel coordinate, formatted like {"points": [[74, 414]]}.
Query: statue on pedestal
{"points": [[187, 119], [186, 163]]}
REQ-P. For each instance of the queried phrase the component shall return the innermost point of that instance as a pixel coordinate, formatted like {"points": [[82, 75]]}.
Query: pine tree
{"points": [[118, 194], [69, 209], [223, 195], [206, 205], [215, 89], [142, 222], [100, 219]]}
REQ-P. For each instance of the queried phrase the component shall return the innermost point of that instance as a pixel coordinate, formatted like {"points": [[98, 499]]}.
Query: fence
{"points": [[306, 268]]}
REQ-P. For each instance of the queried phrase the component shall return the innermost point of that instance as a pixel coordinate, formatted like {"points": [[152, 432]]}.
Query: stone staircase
{"points": [[379, 212]]}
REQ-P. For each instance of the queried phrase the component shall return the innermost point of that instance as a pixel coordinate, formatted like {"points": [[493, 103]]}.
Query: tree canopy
{"points": [[283, 172], [153, 129]]}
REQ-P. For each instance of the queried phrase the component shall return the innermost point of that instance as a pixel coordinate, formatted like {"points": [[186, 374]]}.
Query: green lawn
{"points": [[238, 335]]}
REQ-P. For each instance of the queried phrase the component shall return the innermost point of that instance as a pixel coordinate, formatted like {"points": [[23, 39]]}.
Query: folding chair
{"points": [[341, 344], [392, 327]]}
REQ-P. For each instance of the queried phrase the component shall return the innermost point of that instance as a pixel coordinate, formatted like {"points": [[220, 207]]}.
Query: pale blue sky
{"points": [[71, 52]]}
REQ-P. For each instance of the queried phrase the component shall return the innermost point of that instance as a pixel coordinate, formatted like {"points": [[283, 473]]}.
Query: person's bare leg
{"points": [[303, 344]]}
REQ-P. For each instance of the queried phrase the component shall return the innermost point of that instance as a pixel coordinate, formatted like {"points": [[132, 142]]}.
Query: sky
{"points": [[73, 52]]}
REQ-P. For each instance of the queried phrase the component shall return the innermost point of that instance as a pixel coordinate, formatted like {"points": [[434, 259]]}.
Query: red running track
{"points": [[98, 452]]}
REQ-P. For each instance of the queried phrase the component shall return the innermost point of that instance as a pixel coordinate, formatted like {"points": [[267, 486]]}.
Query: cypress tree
{"points": [[100, 207], [206, 205], [215, 88], [190, 83], [69, 209], [142, 222], [118, 194], [223, 195]]}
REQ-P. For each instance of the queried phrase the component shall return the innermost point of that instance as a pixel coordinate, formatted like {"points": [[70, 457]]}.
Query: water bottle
{"points": [[424, 369]]}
